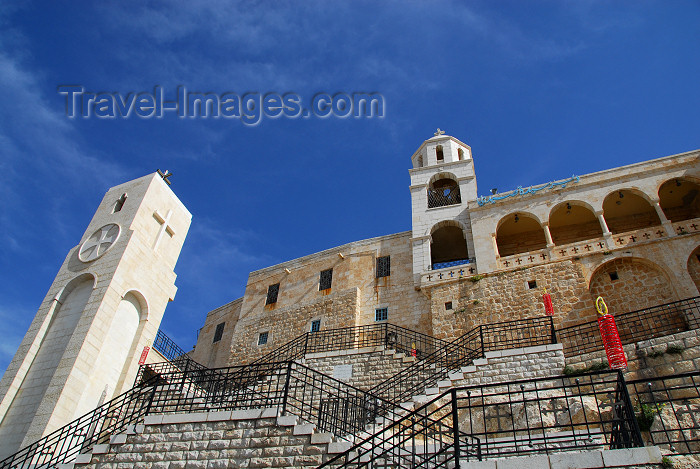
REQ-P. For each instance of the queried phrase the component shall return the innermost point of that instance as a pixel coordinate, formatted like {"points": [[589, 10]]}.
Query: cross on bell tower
{"points": [[103, 308], [442, 184]]}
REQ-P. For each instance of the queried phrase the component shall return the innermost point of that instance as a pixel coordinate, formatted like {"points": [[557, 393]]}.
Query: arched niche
{"points": [[443, 190], [679, 199], [693, 266], [69, 305], [629, 284], [627, 210], [573, 221], [518, 233], [448, 245], [114, 352]]}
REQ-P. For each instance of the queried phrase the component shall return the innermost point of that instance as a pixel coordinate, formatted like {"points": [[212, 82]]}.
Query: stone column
{"points": [[547, 235], [495, 246], [609, 243], [665, 222]]}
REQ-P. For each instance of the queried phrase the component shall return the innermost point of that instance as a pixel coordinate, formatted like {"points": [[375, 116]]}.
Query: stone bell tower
{"points": [[442, 183], [104, 306]]}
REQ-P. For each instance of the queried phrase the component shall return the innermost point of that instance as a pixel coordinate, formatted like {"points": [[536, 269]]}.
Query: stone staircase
{"points": [[240, 438], [264, 438]]}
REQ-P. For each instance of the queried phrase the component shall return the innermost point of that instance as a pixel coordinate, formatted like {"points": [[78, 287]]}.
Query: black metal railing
{"points": [[668, 411], [634, 326], [463, 351], [591, 411], [444, 196], [332, 405], [419, 439], [166, 347], [373, 335], [80, 435]]}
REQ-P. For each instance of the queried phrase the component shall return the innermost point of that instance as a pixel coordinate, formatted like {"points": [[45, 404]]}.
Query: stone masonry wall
{"points": [[237, 443], [337, 310], [649, 358], [216, 354], [369, 368], [354, 268], [516, 364], [639, 285], [507, 297]]}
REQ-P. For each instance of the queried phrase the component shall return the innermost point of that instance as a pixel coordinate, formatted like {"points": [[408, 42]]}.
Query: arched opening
{"points": [[111, 360], [442, 192], [679, 199], [518, 233], [70, 305], [630, 284], [694, 267], [571, 222], [460, 153], [439, 154], [448, 246], [625, 210]]}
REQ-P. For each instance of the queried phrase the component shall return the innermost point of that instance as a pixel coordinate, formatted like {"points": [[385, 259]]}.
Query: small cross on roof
{"points": [[165, 175], [439, 132]]}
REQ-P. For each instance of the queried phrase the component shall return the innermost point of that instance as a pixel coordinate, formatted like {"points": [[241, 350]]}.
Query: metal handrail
{"points": [[463, 351], [387, 335], [80, 435], [167, 347], [507, 419], [642, 324], [668, 407]]}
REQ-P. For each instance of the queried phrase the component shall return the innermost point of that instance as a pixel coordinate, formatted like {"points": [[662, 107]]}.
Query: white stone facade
{"points": [[104, 307]]}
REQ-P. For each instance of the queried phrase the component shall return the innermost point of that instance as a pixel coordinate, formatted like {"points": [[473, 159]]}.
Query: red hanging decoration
{"points": [[144, 354], [548, 307], [611, 338]]}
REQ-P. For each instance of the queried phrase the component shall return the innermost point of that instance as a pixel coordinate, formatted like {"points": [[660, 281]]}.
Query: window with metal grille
{"points": [[316, 325], [272, 292], [326, 279], [383, 266], [262, 338], [219, 332], [381, 314]]}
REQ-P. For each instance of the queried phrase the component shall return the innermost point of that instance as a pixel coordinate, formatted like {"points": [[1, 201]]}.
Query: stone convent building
{"points": [[76, 395], [629, 234]]}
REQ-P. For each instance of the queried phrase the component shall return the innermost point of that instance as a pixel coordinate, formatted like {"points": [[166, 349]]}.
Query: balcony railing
{"points": [[444, 265]]}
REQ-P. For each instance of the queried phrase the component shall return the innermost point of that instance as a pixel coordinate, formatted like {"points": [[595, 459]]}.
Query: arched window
{"points": [[448, 247], [460, 153], [518, 233], [443, 192], [625, 211], [439, 154], [570, 222], [679, 199]]}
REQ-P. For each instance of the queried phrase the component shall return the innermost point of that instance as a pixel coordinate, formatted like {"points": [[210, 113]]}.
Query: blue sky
{"points": [[539, 90]]}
